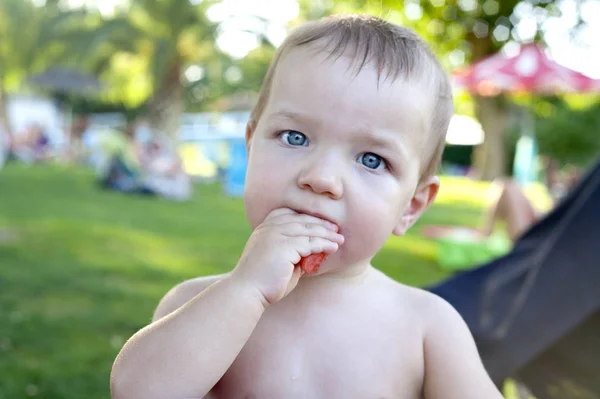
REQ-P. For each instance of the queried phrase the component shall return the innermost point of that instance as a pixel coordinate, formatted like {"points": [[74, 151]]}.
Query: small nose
{"points": [[322, 177]]}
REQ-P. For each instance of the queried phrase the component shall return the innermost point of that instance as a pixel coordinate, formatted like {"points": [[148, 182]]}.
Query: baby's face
{"points": [[334, 144]]}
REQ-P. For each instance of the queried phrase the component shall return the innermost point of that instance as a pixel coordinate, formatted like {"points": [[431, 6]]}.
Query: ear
{"points": [[250, 127], [423, 197]]}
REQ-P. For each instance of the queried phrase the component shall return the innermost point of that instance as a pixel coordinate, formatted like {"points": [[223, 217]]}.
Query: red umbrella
{"points": [[529, 71]]}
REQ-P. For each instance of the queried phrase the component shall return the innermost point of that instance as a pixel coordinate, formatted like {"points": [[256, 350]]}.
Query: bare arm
{"points": [[185, 353], [182, 293], [453, 368]]}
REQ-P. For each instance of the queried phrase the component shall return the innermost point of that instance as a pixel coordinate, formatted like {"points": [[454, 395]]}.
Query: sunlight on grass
{"points": [[414, 245], [510, 391], [461, 190]]}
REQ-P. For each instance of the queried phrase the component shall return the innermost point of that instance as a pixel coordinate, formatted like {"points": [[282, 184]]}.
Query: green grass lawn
{"points": [[82, 269]]}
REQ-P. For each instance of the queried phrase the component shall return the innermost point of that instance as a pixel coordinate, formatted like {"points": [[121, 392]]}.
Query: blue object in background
{"points": [[235, 175], [525, 163]]}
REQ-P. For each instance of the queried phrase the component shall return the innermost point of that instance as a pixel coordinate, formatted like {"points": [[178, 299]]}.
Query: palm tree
{"points": [[185, 36], [169, 34], [22, 28], [33, 38]]}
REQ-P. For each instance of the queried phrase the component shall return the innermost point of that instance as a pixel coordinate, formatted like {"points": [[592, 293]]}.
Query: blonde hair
{"points": [[395, 52]]}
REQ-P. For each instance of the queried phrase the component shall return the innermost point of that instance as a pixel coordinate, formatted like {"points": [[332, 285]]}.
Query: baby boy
{"points": [[343, 147]]}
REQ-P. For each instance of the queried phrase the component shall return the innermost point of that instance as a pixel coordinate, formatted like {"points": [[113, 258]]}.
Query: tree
{"points": [[568, 134], [24, 29], [230, 84], [482, 27], [178, 34], [147, 49], [34, 38]]}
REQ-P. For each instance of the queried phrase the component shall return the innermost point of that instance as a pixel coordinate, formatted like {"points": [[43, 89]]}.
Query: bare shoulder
{"points": [[440, 320], [180, 294], [413, 298], [430, 316], [430, 308], [453, 367], [451, 364], [406, 304], [434, 313]]}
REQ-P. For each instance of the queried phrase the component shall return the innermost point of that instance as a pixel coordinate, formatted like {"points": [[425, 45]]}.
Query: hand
{"points": [[269, 259]]}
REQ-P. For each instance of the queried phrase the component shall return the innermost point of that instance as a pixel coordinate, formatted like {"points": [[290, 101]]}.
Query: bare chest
{"points": [[326, 357]]}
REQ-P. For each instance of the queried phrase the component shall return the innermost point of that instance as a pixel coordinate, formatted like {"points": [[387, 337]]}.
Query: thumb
{"points": [[298, 272]]}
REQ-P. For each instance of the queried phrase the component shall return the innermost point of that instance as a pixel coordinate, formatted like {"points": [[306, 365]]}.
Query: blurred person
{"points": [[142, 131], [149, 168], [32, 145], [343, 146], [163, 171], [76, 151], [121, 165], [509, 205]]}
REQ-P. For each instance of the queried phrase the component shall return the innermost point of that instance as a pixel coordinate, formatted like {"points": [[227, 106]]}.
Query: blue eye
{"points": [[371, 161], [294, 138]]}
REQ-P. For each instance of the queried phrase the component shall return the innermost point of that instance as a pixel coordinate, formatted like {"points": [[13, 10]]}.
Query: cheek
{"points": [[373, 220], [263, 189]]}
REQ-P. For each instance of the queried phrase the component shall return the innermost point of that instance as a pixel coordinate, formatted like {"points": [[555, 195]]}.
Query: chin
{"points": [[335, 263]]}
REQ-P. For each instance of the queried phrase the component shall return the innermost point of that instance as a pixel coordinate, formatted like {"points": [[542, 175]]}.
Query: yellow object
{"points": [[194, 161]]}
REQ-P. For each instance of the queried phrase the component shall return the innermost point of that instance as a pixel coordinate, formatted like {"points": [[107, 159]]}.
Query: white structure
{"points": [[213, 126], [26, 110], [464, 130]]}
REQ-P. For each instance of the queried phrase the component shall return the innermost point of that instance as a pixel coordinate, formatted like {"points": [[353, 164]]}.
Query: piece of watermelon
{"points": [[311, 263]]}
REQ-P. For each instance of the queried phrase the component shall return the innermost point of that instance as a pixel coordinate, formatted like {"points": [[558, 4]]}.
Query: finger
{"points": [[314, 245], [303, 218], [298, 272], [276, 213], [311, 230]]}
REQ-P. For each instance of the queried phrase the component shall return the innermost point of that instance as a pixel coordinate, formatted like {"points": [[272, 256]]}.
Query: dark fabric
{"points": [[522, 304], [570, 368]]}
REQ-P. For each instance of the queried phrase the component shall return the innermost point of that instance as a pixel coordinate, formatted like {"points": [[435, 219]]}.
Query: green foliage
{"points": [[448, 25], [569, 135], [215, 88], [131, 50], [24, 32]]}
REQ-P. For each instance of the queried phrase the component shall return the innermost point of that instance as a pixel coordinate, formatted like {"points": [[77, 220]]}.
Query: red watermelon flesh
{"points": [[311, 263]]}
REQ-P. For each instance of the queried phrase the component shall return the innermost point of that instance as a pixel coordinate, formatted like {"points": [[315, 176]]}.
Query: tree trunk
{"points": [[489, 158], [166, 106], [4, 122]]}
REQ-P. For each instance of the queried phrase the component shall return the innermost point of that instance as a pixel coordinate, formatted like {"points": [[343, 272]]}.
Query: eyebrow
{"points": [[393, 146], [293, 116]]}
